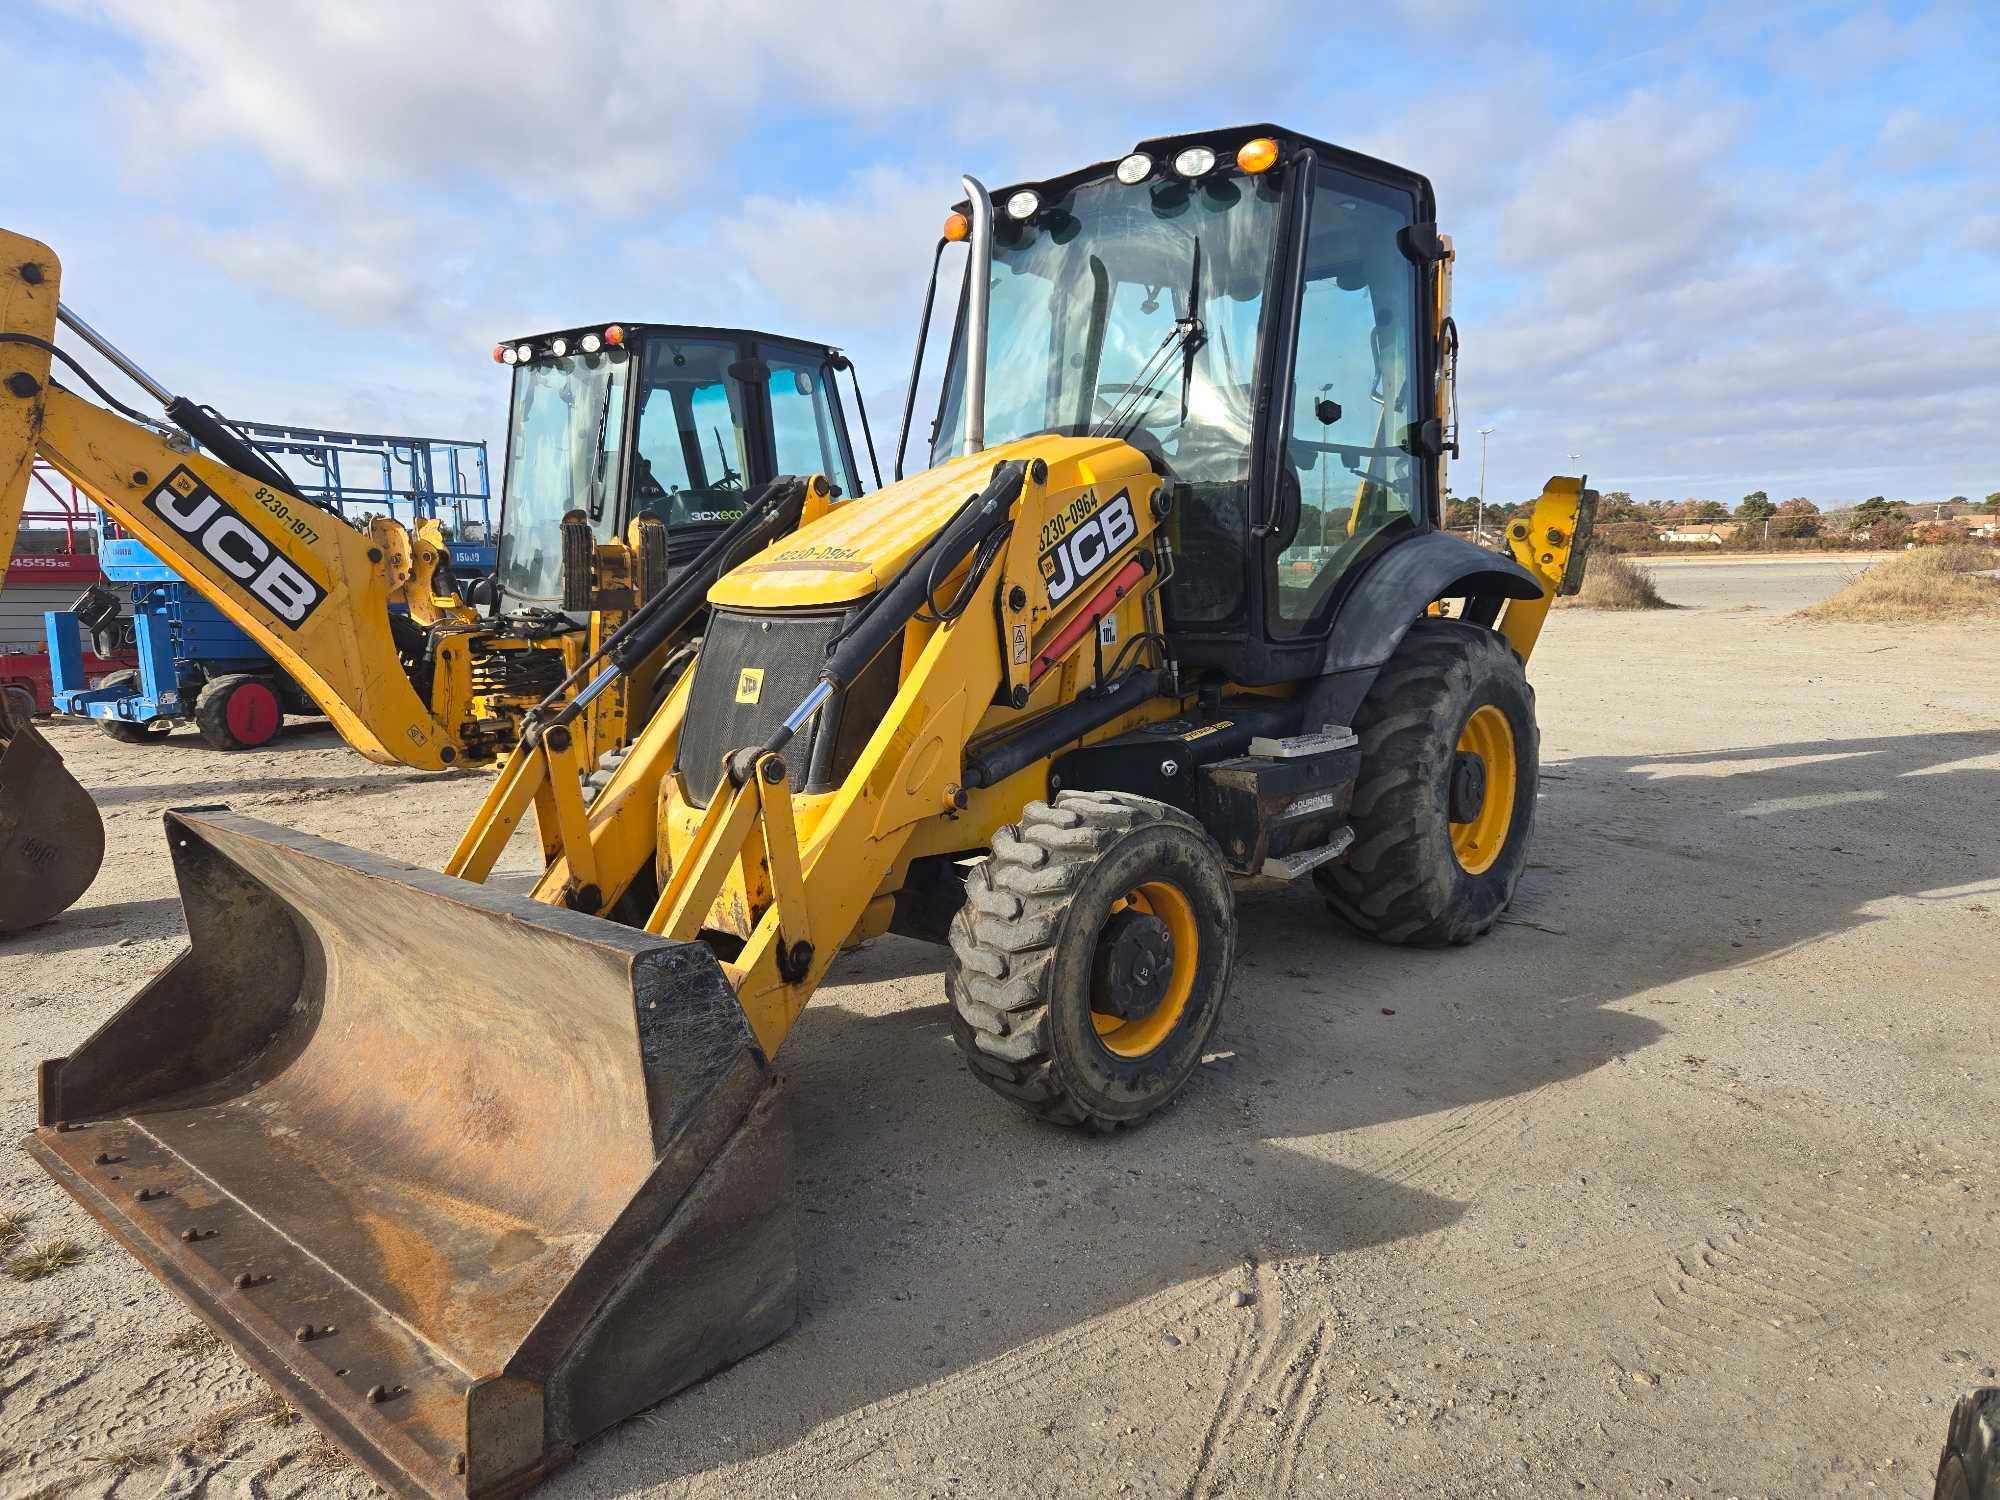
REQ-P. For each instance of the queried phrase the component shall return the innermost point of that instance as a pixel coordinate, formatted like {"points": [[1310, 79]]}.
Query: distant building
{"points": [[1701, 533]]}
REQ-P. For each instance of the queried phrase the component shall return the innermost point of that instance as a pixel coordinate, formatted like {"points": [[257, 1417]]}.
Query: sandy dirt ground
{"points": [[1681, 1183]]}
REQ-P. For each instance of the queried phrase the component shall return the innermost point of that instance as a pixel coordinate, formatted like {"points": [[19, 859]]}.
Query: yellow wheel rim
{"points": [[1137, 1037], [1477, 842]]}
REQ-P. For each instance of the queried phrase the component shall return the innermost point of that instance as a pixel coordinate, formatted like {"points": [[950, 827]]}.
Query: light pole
{"points": [[1479, 516]]}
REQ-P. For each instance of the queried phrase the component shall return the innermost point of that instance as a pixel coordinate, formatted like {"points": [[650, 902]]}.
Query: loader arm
{"points": [[306, 586]]}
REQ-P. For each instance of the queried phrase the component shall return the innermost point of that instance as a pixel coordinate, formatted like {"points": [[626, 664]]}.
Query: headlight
{"points": [[1135, 169], [592, 343], [558, 347], [508, 356], [1023, 204], [1194, 161], [524, 353]]}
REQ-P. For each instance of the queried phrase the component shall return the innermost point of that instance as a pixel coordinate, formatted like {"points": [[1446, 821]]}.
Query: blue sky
{"points": [[1712, 248]]}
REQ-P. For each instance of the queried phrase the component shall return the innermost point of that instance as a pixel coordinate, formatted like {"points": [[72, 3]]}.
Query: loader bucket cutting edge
{"points": [[466, 1177], [51, 837]]}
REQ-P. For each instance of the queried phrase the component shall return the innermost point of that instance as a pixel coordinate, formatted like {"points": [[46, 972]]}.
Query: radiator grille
{"points": [[753, 670]]}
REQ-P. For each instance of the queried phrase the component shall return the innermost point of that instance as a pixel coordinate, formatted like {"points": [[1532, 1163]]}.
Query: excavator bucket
{"points": [[51, 837], [466, 1177]]}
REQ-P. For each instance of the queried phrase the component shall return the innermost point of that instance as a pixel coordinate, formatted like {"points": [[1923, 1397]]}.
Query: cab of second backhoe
{"points": [[632, 447], [627, 419]]}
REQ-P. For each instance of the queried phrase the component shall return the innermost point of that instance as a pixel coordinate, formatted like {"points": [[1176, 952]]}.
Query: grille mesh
{"points": [[788, 650]]}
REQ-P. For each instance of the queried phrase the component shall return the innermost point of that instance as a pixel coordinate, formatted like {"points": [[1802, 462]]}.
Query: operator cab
{"points": [[1258, 313], [627, 419]]}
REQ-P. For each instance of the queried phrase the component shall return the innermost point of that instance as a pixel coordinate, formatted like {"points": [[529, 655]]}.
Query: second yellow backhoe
{"points": [[471, 1175], [634, 450]]}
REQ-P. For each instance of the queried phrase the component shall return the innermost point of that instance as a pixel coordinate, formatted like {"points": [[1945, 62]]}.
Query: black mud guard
{"points": [[1388, 599]]}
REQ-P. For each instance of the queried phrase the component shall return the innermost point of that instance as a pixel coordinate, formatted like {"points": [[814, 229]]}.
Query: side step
{"points": [[1292, 866]]}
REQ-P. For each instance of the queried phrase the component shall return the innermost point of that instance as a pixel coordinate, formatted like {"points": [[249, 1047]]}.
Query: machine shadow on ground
{"points": [[979, 1232]]}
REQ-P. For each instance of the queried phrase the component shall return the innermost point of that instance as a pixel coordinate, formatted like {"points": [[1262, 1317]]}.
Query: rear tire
{"points": [[1090, 960], [20, 704], [238, 711], [1440, 842], [124, 730]]}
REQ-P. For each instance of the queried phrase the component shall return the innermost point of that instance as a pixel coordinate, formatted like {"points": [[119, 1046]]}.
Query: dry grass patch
{"points": [[45, 1259], [1610, 582], [13, 1225], [1930, 584], [196, 1340]]}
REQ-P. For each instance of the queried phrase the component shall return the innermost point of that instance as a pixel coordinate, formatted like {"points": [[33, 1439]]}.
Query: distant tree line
{"points": [[1877, 521]]}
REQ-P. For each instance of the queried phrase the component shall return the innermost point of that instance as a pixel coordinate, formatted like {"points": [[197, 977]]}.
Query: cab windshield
{"points": [[1129, 310], [693, 446], [1139, 312], [566, 429]]}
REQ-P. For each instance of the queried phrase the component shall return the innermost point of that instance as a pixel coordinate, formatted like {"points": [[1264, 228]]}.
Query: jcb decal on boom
{"points": [[1088, 546], [235, 546]]}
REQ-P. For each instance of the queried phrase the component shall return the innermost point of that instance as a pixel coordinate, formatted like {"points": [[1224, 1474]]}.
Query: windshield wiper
{"points": [[597, 466], [729, 475], [1197, 335], [1185, 338]]}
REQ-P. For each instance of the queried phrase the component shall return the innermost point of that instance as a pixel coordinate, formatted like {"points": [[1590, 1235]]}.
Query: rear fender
{"points": [[1390, 597]]}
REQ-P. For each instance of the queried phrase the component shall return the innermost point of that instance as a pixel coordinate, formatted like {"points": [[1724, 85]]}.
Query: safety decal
{"points": [[236, 547]]}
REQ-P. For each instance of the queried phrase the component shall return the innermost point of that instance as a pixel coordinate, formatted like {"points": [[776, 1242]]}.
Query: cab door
{"points": [[808, 431], [1348, 481]]}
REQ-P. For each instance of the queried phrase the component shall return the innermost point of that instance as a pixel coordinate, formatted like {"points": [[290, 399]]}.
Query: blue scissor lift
{"points": [[195, 664]]}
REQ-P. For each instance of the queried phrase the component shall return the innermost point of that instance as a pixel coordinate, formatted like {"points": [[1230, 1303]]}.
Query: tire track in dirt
{"points": [[1799, 1272], [1466, 1138], [1301, 1394]]}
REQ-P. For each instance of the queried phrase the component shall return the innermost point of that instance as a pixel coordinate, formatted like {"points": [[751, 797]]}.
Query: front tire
{"points": [[1444, 805], [1090, 960]]}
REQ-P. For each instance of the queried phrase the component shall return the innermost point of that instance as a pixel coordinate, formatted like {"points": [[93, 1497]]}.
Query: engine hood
{"points": [[859, 545]]}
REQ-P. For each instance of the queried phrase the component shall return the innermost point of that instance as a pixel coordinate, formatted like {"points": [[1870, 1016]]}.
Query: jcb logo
{"points": [[749, 684], [1086, 549], [197, 512]]}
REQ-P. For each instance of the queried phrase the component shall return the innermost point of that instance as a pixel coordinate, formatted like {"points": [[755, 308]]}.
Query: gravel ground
{"points": [[1680, 1183]]}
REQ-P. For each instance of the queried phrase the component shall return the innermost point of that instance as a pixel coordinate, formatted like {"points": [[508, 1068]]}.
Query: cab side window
{"points": [[803, 425], [1346, 468]]}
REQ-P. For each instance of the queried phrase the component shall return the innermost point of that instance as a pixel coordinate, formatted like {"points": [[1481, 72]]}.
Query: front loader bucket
{"points": [[466, 1177], [51, 837]]}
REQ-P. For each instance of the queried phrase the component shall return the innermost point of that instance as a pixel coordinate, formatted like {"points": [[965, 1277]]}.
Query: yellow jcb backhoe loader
{"points": [[472, 1175], [633, 448]]}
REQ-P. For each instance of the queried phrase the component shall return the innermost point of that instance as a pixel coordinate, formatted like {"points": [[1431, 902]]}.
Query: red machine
{"points": [[55, 559]]}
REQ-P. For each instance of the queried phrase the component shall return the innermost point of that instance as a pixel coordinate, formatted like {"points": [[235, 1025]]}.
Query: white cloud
{"points": [[617, 103], [1911, 140], [1692, 329], [382, 273]]}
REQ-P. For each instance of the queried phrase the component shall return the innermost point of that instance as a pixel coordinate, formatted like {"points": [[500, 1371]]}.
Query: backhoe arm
{"points": [[307, 587]]}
